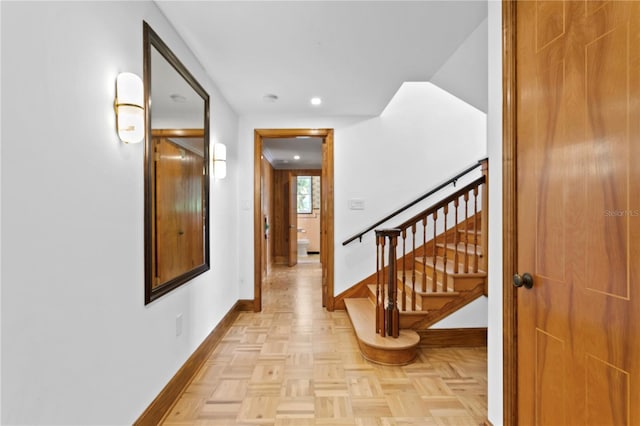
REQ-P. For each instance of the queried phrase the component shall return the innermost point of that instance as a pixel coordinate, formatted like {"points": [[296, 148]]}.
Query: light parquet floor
{"points": [[297, 364]]}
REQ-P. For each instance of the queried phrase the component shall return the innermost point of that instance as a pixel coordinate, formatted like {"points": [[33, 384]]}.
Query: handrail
{"points": [[432, 191], [441, 203]]}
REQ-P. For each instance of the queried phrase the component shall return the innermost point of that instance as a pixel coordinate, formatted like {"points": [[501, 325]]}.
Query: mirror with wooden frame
{"points": [[176, 171]]}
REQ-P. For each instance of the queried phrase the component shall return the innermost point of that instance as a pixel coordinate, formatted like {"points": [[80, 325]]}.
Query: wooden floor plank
{"points": [[295, 364]]}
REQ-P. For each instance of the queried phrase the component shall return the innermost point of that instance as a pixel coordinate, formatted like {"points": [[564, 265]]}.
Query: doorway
{"points": [[262, 223], [291, 200]]}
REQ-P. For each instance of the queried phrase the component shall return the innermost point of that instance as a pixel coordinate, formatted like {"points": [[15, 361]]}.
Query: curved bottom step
{"points": [[381, 350]]}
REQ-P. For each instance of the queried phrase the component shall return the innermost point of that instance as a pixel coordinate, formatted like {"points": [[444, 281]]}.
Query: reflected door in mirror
{"points": [[179, 183]]}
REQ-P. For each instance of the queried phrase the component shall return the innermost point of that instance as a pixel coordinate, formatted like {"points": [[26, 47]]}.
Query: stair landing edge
{"points": [[381, 350]]}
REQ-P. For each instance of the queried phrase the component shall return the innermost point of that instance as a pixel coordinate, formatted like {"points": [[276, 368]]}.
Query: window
{"points": [[304, 194]]}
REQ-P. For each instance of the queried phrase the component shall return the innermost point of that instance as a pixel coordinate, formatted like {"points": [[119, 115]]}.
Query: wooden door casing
{"points": [[291, 198], [326, 210], [578, 211]]}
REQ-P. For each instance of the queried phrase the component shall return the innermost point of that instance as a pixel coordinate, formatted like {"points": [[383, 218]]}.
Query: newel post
{"points": [[484, 219], [391, 312]]}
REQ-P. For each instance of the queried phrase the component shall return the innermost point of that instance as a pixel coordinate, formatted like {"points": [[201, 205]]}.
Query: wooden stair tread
{"points": [[449, 269], [383, 350], [471, 231], [363, 316], [372, 289], [440, 292], [471, 248]]}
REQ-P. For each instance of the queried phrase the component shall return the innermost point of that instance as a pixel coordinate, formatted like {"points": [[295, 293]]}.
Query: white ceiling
{"points": [[353, 54], [281, 152]]}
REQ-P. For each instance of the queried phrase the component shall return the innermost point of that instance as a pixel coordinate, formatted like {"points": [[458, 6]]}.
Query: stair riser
{"points": [[418, 279], [457, 283], [409, 291], [432, 303], [409, 288], [465, 283], [423, 302], [372, 297], [427, 302], [419, 306], [439, 276], [409, 283], [474, 238], [461, 256]]}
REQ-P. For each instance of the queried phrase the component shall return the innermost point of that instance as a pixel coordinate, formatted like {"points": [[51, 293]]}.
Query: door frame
{"points": [[509, 213], [326, 209], [292, 220]]}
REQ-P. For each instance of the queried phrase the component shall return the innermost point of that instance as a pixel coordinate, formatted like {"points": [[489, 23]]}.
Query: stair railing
{"points": [[451, 181], [452, 224]]}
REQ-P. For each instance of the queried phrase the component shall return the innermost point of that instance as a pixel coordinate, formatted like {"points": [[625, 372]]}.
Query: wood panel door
{"points": [[292, 210], [578, 204], [179, 210]]}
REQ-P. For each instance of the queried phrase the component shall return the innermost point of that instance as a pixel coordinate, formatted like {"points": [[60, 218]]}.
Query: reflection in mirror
{"points": [[176, 171]]}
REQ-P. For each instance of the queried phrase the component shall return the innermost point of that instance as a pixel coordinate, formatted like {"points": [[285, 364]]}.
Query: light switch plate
{"points": [[356, 204]]}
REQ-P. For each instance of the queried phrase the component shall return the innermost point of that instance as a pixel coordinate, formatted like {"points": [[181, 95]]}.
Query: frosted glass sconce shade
{"points": [[129, 105], [219, 161]]}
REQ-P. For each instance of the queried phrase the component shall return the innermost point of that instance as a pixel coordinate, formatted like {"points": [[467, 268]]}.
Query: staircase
{"points": [[440, 266]]}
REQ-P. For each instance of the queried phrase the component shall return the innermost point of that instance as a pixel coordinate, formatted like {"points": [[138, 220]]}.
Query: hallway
{"points": [[297, 364]]}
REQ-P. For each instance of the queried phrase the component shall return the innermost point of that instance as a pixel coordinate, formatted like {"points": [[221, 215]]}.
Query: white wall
{"points": [[424, 135], [494, 147], [464, 74], [473, 315], [78, 344]]}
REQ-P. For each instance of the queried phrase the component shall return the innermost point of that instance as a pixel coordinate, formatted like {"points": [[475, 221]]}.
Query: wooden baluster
{"points": [[404, 270], [434, 274], [456, 258], [444, 256], [466, 233], [413, 269], [393, 315], [475, 228], [424, 254]]}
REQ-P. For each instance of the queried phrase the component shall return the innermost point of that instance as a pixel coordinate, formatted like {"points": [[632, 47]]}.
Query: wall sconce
{"points": [[129, 106], [219, 161]]}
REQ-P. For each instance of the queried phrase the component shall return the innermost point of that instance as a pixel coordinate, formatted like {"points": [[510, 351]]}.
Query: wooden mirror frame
{"points": [[152, 41]]}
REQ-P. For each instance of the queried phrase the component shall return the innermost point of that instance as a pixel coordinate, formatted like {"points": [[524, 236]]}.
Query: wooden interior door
{"points": [[292, 208], [179, 210], [578, 204]]}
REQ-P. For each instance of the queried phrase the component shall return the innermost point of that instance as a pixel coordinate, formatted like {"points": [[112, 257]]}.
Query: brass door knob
{"points": [[526, 280]]}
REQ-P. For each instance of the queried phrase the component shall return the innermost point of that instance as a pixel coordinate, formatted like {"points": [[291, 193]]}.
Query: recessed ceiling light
{"points": [[303, 137], [316, 101], [176, 97], [270, 97], [296, 157]]}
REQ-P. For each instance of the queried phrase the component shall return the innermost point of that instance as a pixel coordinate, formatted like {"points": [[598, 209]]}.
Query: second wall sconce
{"points": [[219, 161], [129, 106]]}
